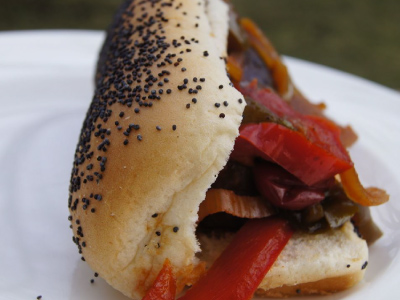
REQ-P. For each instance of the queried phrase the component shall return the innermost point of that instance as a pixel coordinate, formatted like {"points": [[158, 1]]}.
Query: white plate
{"points": [[46, 83]]}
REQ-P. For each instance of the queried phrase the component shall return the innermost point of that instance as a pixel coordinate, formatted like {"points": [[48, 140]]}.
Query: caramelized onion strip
{"points": [[234, 68], [220, 200], [356, 192], [269, 55]]}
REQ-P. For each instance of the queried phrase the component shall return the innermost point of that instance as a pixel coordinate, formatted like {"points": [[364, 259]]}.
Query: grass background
{"points": [[357, 36]]}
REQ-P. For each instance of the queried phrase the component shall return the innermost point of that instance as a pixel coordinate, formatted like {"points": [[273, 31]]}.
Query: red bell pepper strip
{"points": [[164, 287], [269, 99], [310, 148], [289, 149], [239, 270], [318, 130]]}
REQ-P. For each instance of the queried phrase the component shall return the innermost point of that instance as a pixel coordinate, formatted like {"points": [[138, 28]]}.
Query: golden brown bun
{"points": [[142, 208], [309, 264]]}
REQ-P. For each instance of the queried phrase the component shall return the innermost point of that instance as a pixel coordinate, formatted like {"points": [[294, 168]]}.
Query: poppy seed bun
{"points": [[161, 126], [146, 155]]}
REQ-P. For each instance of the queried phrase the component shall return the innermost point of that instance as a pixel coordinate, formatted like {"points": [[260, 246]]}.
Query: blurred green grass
{"points": [[357, 36]]}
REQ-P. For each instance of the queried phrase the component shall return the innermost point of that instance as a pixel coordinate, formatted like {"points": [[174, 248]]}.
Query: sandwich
{"points": [[201, 164]]}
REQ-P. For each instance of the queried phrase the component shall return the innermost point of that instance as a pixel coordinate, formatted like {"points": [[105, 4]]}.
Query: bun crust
{"points": [[146, 155]]}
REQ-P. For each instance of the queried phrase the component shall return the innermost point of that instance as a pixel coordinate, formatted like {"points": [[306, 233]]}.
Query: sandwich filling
{"points": [[289, 161], [289, 158]]}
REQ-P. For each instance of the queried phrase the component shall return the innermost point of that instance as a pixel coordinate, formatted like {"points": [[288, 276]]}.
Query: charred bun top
{"points": [[161, 125]]}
